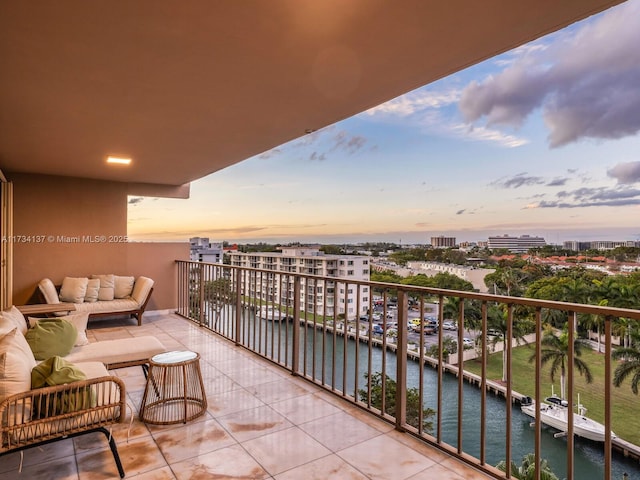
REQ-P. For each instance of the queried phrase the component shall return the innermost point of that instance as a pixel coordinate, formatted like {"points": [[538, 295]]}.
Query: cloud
{"points": [[517, 181], [347, 143], [317, 145], [415, 102], [591, 197], [585, 83], [315, 156], [460, 212], [135, 200], [270, 153], [625, 173], [557, 182], [487, 134]]}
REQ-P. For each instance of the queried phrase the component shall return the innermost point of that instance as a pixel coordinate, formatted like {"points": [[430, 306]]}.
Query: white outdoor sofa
{"points": [[99, 295]]}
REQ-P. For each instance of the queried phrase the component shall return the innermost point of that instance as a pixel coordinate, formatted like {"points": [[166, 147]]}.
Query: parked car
{"points": [[467, 342], [430, 329], [449, 325], [377, 329], [492, 332]]}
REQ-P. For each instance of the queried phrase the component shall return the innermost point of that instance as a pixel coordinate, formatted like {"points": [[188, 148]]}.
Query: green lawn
{"points": [[626, 406]]}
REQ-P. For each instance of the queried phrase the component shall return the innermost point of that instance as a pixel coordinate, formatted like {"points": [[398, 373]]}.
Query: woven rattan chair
{"points": [[45, 415]]}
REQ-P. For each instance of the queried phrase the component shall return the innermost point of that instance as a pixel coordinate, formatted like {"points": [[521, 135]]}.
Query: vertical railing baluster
{"points": [[570, 385], [461, 325], [201, 294], [608, 404], [401, 364], [483, 386], [295, 330], [538, 394], [508, 393], [345, 336], [440, 373], [239, 310]]}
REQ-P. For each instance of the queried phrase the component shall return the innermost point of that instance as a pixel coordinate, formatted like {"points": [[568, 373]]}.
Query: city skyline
{"points": [[541, 140]]}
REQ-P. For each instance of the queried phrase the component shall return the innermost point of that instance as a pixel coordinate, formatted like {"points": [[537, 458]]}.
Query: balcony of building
{"points": [[71, 98], [342, 356]]}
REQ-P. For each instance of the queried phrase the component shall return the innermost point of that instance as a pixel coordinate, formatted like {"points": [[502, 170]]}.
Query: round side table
{"points": [[174, 392]]}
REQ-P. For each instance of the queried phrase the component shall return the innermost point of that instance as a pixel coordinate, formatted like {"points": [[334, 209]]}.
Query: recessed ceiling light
{"points": [[118, 160]]}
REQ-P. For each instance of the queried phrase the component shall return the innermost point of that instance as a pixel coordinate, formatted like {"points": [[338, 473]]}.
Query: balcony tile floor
{"points": [[261, 423]]}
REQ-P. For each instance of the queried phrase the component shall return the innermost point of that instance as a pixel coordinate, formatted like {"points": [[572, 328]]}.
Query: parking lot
{"points": [[412, 336]]}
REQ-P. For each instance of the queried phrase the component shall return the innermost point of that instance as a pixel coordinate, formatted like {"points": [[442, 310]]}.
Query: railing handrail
{"points": [[602, 310]]}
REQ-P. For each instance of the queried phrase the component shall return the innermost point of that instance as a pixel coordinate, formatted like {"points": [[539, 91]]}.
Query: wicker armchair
{"points": [[45, 415]]}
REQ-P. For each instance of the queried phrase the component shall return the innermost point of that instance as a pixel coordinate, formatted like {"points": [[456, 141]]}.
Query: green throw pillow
{"points": [[51, 337], [57, 371]]}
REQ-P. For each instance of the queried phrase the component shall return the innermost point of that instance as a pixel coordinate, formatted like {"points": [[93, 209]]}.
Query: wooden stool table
{"points": [[174, 392]]}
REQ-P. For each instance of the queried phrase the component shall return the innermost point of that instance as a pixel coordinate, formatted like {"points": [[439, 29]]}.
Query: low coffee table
{"points": [[174, 392]]}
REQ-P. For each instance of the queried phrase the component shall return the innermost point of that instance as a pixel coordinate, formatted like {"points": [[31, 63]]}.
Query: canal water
{"points": [[589, 456]]}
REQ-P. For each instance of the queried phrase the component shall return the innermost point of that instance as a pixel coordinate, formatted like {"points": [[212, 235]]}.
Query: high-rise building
{"points": [[521, 244], [443, 242], [310, 261]]}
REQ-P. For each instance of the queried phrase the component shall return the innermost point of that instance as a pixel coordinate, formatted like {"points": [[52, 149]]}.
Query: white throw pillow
{"points": [[48, 290], [79, 320], [16, 363], [107, 283], [123, 287], [93, 290], [74, 289], [15, 319]]}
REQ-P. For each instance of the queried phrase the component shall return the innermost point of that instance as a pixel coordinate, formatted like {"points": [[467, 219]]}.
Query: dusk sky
{"points": [[543, 140]]}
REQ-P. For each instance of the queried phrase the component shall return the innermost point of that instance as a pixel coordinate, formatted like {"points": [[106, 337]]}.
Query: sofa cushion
{"points": [[12, 318], [16, 363], [141, 289], [51, 337], [123, 287], [117, 351], [79, 320], [93, 290], [48, 290], [73, 289], [107, 285], [115, 306]]}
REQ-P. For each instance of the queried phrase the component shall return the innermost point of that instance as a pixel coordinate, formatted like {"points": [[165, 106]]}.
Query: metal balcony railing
{"points": [[405, 377]]}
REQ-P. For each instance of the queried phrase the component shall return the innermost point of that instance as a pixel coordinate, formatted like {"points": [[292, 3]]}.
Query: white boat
{"points": [[554, 412], [270, 313]]}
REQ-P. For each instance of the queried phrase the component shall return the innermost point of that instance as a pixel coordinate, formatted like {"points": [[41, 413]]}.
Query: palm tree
{"points": [[629, 366], [451, 309], [497, 320], [556, 350], [527, 469]]}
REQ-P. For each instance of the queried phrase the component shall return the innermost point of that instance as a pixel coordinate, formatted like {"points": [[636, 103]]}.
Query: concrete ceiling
{"points": [[188, 87]]}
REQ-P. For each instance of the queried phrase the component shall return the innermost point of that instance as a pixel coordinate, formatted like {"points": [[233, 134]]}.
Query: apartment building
{"points": [[202, 250], [599, 245], [310, 262], [443, 242], [521, 244]]}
